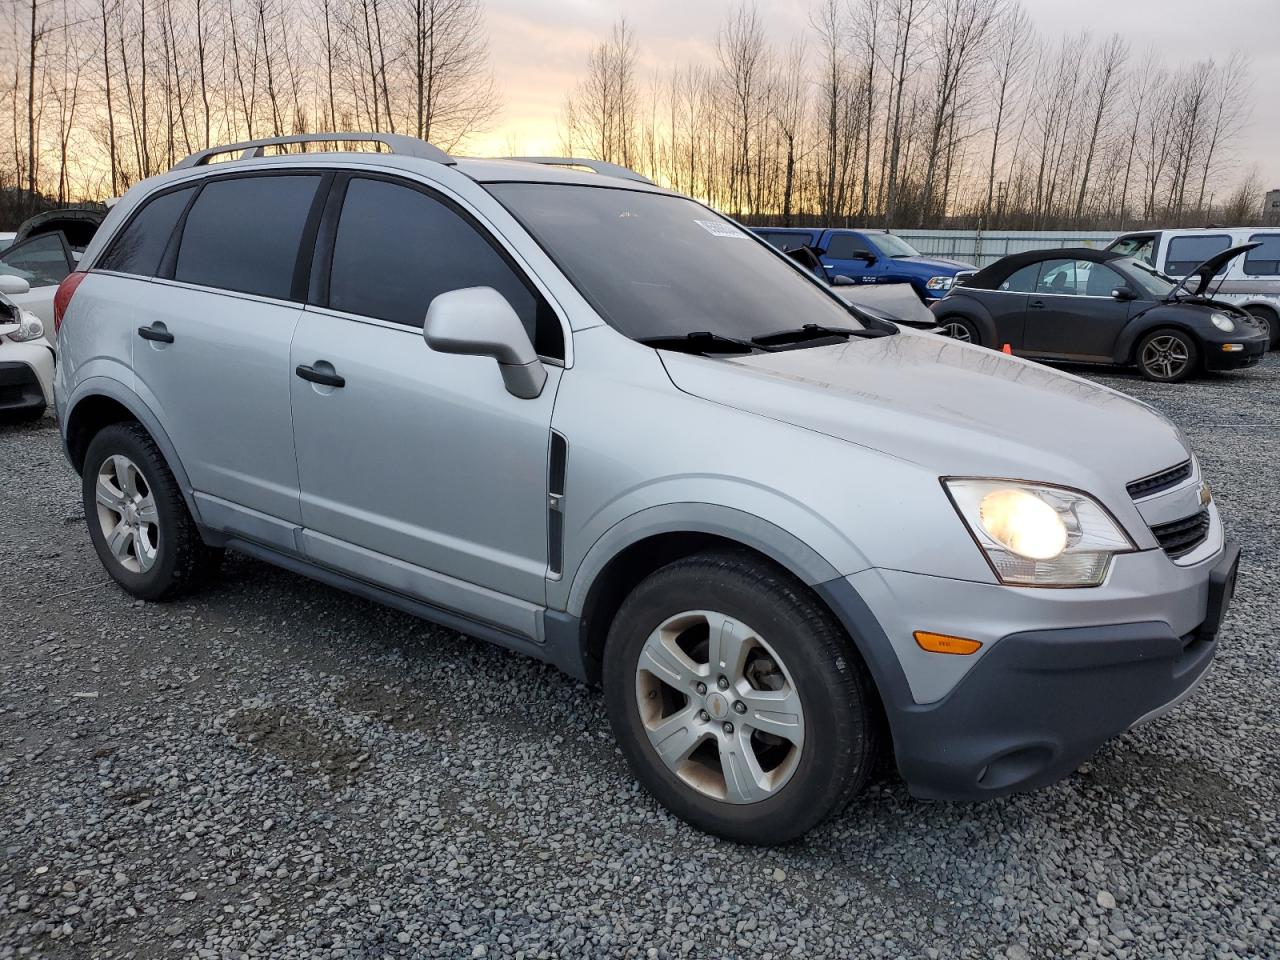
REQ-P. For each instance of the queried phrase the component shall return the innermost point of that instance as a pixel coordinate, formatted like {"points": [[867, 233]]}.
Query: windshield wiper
{"points": [[698, 341], [814, 331]]}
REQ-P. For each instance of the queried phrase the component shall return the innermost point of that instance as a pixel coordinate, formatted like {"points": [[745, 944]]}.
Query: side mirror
{"points": [[843, 281], [1123, 293], [479, 322], [866, 255], [13, 285]]}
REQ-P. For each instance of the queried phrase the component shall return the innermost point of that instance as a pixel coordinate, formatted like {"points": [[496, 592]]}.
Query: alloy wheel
{"points": [[1166, 356], [127, 514], [719, 707], [957, 331]]}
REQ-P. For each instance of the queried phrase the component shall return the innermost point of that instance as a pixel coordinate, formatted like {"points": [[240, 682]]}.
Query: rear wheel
{"points": [[1167, 356], [138, 520], [738, 700], [960, 328]]}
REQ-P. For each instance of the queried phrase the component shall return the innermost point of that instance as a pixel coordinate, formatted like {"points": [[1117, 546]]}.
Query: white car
{"points": [[44, 250], [26, 360]]}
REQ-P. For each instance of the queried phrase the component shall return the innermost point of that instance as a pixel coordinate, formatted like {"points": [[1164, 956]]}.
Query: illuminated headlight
{"points": [[29, 327], [939, 283], [1223, 322], [1039, 535]]}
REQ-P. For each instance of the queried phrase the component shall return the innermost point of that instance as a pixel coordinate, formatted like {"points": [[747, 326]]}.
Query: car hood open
{"points": [[957, 409], [1203, 274]]}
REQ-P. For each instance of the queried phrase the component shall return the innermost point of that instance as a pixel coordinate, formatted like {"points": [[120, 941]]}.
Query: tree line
{"points": [[902, 113]]}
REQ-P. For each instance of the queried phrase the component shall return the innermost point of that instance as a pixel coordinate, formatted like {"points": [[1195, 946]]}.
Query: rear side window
{"points": [[243, 234], [1263, 261], [397, 249], [846, 246], [786, 242], [1187, 253], [143, 241]]}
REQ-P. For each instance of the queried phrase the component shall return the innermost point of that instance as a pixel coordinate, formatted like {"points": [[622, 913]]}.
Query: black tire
{"points": [[969, 328], [1271, 320], [182, 559], [842, 725], [1154, 369]]}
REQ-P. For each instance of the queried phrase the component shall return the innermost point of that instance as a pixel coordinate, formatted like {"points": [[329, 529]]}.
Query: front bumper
{"points": [[1037, 703], [26, 376], [1215, 358]]}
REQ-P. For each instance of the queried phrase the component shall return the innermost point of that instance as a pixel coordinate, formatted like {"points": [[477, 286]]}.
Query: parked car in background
{"points": [[895, 302], [26, 361], [872, 256], [44, 250], [595, 421], [1251, 282], [1099, 306]]}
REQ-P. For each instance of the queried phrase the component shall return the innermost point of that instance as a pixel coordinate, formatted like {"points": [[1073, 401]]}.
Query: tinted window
{"points": [[243, 234], [1264, 260], [1057, 276], [397, 249], [41, 261], [787, 242], [655, 265], [1187, 253], [139, 248], [846, 246], [1098, 281], [1022, 281]]}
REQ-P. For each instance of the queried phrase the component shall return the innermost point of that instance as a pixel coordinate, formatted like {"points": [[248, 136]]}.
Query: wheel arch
{"points": [[100, 402], [968, 309], [1126, 351]]}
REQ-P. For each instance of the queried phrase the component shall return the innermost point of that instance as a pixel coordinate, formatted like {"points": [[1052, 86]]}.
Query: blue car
{"points": [[872, 256]]}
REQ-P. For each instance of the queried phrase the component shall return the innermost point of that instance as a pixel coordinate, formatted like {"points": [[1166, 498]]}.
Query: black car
{"points": [[1098, 306]]}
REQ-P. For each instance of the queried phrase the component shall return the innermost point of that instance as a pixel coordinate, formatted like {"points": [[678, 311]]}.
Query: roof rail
{"points": [[394, 142], [599, 166]]}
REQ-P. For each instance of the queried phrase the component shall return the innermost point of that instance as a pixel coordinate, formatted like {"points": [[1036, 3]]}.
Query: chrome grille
{"points": [[1159, 482], [1180, 537]]}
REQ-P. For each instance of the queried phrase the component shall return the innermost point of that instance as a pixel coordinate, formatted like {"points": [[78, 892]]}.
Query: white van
{"points": [[1251, 281]]}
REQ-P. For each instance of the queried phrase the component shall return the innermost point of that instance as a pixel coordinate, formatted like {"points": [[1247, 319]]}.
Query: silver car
{"points": [[561, 409]]}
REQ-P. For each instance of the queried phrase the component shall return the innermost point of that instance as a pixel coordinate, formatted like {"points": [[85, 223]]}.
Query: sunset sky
{"points": [[539, 50]]}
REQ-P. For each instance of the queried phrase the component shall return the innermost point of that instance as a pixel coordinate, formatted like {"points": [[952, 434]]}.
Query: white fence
{"points": [[982, 248]]}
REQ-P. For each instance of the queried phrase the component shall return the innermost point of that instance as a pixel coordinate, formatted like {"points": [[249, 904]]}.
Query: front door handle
{"points": [[156, 333], [323, 377], [1035, 305]]}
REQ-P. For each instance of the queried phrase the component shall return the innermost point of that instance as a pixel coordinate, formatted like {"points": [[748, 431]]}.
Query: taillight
{"points": [[62, 299]]}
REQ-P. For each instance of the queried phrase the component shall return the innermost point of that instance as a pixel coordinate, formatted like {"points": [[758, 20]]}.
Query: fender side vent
{"points": [[555, 502]]}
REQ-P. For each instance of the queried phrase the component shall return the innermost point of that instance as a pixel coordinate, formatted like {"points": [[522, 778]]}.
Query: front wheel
{"points": [[738, 700], [960, 328], [1167, 356]]}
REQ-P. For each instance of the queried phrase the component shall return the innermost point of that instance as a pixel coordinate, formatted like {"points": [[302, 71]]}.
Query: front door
{"points": [[419, 471], [1072, 314]]}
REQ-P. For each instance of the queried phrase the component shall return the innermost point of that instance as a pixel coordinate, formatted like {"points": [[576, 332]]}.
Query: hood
{"points": [[1204, 273], [937, 263], [956, 409]]}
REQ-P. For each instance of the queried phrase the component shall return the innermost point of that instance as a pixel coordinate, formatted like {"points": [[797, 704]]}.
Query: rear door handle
{"points": [[1035, 305], [155, 333], [323, 377]]}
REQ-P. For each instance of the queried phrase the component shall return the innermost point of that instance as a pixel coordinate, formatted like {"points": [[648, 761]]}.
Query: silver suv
{"points": [[643, 445]]}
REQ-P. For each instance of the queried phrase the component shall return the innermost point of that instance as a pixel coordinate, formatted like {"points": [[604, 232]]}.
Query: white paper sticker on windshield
{"points": [[718, 228]]}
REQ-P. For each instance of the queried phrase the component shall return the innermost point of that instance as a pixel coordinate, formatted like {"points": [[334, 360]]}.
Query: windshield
{"points": [[656, 265], [892, 246], [1153, 284]]}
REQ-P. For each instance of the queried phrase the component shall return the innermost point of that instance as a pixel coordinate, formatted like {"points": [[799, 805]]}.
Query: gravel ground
{"points": [[275, 769]]}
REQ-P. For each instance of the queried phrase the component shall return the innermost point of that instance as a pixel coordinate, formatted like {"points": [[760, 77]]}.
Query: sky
{"points": [[539, 50]]}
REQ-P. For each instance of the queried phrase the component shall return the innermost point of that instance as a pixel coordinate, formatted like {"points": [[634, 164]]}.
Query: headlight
{"points": [[1223, 322], [939, 283], [1038, 535], [29, 327]]}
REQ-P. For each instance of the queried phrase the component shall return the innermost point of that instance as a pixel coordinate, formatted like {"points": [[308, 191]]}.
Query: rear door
{"points": [[1072, 313], [420, 471], [211, 344]]}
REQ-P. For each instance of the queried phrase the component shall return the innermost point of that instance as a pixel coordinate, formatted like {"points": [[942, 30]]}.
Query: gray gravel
{"points": [[275, 769]]}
